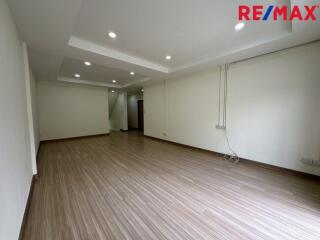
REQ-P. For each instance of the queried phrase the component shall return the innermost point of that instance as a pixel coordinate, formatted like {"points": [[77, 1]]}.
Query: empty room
{"points": [[159, 120]]}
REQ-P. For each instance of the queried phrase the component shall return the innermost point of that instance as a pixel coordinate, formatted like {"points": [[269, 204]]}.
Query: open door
{"points": [[140, 115]]}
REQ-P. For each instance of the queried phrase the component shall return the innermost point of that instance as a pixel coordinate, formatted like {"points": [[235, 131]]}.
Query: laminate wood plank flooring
{"points": [[126, 186]]}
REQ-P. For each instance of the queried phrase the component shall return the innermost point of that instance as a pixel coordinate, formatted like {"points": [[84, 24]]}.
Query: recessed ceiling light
{"points": [[239, 26], [132, 73], [87, 63], [168, 57], [112, 91], [77, 75], [112, 35], [114, 81], [142, 90]]}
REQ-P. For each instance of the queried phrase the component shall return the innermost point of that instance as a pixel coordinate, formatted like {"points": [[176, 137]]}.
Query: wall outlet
{"points": [[309, 161], [316, 163], [220, 127]]}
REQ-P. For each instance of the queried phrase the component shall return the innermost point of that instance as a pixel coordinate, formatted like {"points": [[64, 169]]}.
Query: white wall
{"points": [[118, 114], [71, 110], [15, 160], [112, 99], [273, 111], [115, 113], [133, 109]]}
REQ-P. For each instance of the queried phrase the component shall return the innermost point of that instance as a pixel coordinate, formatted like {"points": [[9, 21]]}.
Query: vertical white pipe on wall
{"points": [[29, 109], [222, 98], [165, 109], [219, 107], [226, 68]]}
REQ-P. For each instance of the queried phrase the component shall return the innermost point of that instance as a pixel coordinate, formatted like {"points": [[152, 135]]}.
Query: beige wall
{"points": [[15, 156], [71, 110], [273, 109]]}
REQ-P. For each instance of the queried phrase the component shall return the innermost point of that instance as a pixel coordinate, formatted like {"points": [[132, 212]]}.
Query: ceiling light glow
{"points": [[168, 57], [112, 35], [87, 63], [114, 81], [112, 91], [132, 73], [77, 75], [239, 26]]}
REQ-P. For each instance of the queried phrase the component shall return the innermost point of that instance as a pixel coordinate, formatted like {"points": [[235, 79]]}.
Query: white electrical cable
{"points": [[233, 156]]}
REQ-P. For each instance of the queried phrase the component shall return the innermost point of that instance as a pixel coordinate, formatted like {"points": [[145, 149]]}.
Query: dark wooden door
{"points": [[140, 115]]}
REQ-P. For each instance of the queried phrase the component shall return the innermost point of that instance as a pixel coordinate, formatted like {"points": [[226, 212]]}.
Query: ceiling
{"points": [[95, 72], [63, 34], [187, 31]]}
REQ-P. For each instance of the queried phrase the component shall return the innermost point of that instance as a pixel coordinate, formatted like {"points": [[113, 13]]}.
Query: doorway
{"points": [[140, 116]]}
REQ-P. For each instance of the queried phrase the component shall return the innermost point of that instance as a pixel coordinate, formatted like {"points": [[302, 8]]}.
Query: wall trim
{"points": [[244, 161], [74, 138], [27, 209]]}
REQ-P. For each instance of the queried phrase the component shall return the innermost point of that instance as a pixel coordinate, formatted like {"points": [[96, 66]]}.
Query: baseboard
{"points": [[74, 138], [121, 130], [26, 211], [245, 161]]}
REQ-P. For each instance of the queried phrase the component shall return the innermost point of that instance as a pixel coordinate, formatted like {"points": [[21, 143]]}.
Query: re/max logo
{"points": [[259, 12]]}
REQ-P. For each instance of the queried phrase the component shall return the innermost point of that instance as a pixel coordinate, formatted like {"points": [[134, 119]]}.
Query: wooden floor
{"points": [[126, 186]]}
